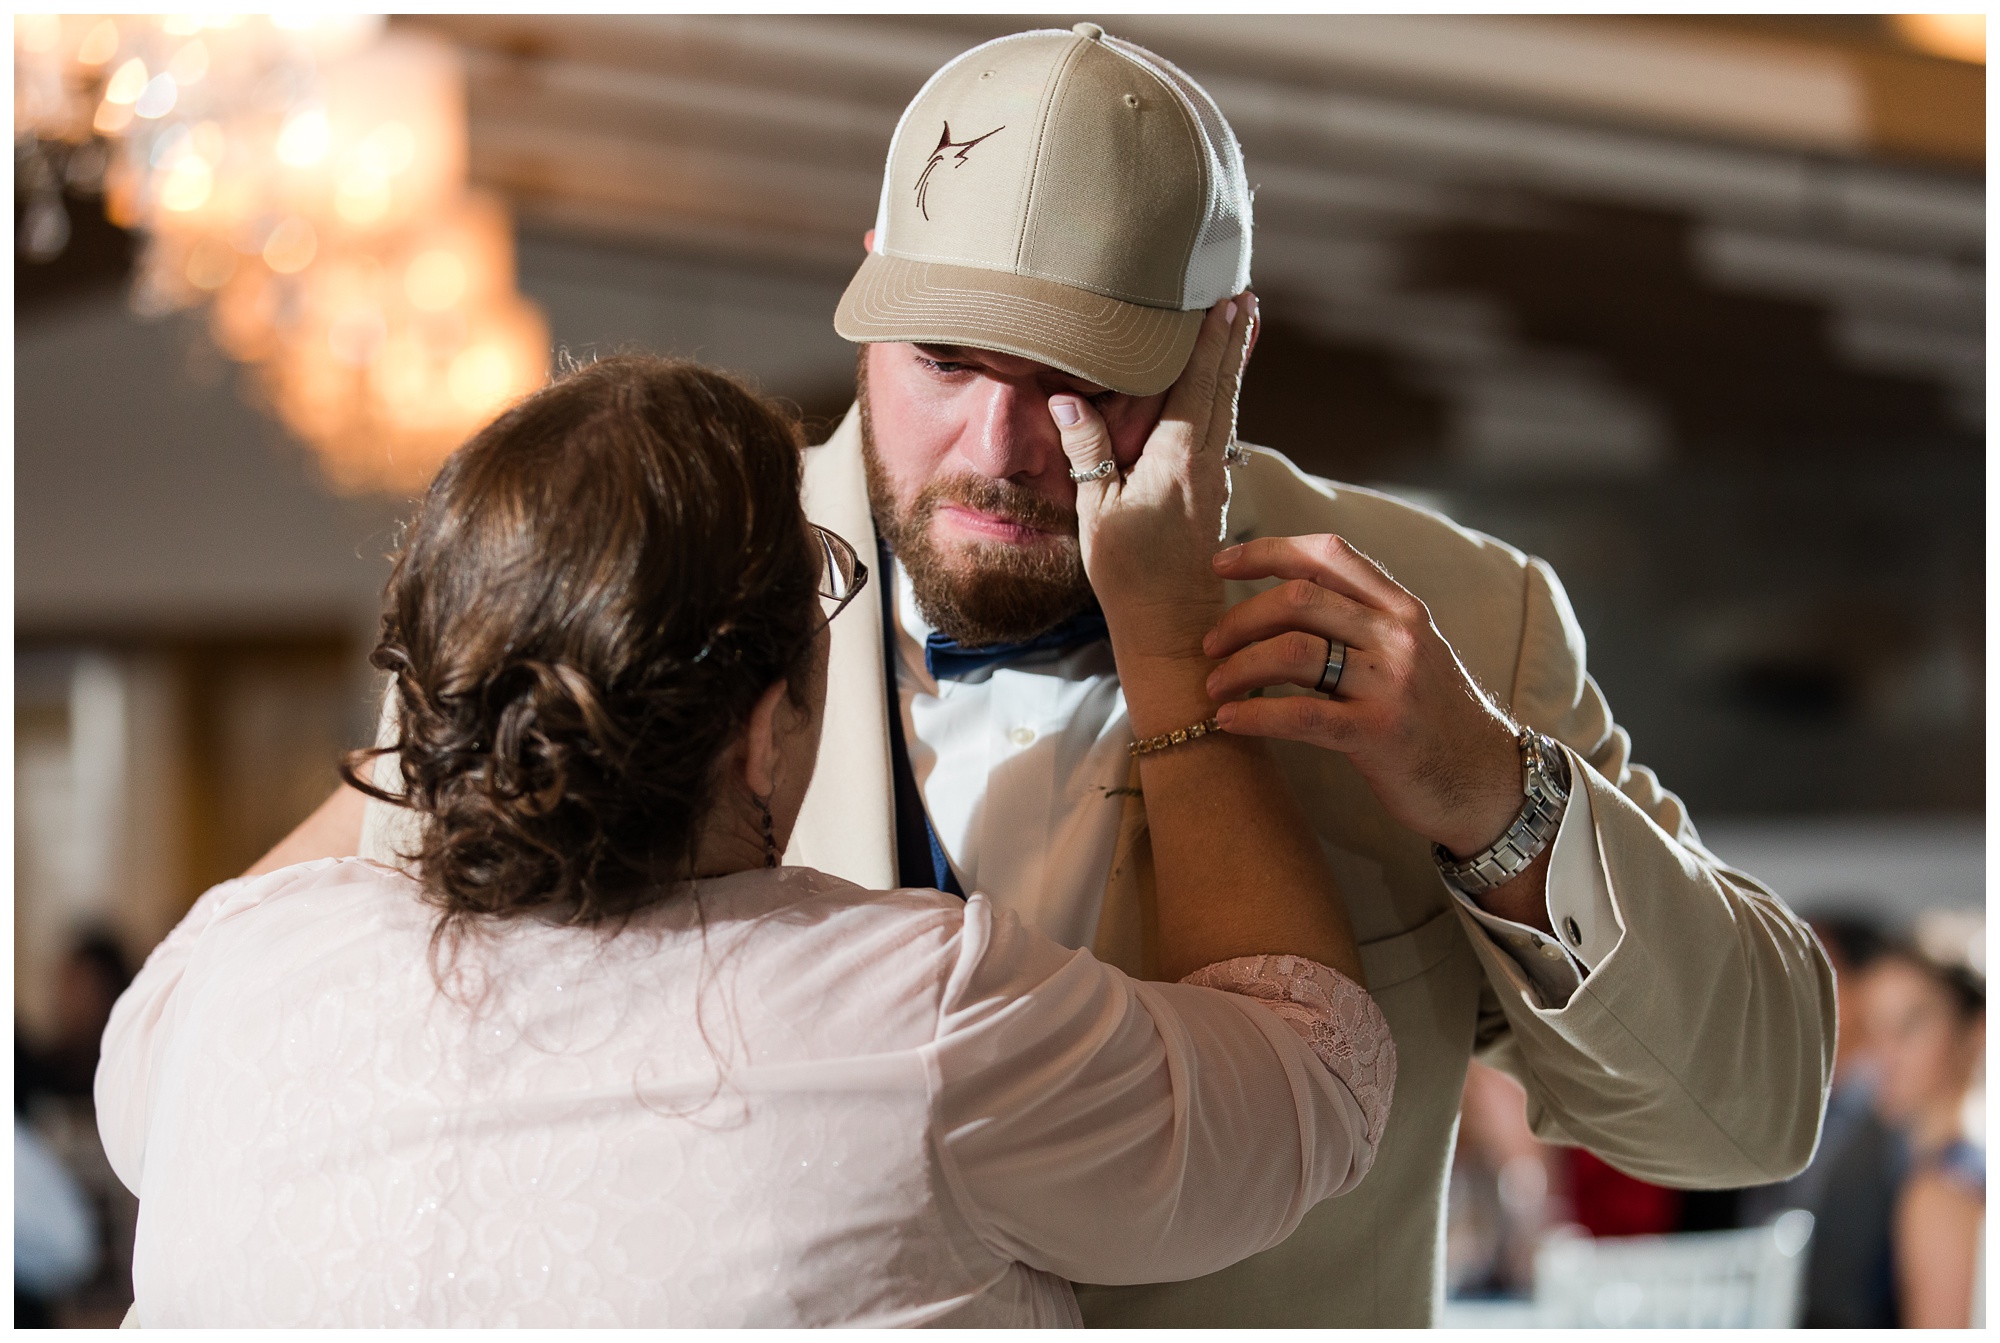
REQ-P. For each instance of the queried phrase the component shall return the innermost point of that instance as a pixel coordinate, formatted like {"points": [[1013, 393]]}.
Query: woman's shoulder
{"points": [[807, 890], [292, 887], [345, 901], [855, 963], [317, 872], [820, 909], [978, 949], [353, 878]]}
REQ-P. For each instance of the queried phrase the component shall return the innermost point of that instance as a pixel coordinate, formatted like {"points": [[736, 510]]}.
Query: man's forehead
{"points": [[1000, 362]]}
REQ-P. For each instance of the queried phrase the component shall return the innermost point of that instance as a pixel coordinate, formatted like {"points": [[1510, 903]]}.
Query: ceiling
{"points": [[1542, 243], [1545, 244]]}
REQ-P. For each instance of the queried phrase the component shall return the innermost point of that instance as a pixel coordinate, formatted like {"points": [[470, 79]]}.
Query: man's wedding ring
{"points": [[1336, 663], [1098, 472]]}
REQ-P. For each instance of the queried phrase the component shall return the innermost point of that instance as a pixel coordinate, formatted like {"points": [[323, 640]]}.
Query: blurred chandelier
{"points": [[305, 178]]}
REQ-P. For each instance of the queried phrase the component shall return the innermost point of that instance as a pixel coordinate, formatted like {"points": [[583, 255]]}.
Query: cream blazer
{"points": [[1697, 1054]]}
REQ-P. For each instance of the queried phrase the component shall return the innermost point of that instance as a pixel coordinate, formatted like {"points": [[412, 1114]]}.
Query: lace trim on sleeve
{"points": [[1335, 1016]]}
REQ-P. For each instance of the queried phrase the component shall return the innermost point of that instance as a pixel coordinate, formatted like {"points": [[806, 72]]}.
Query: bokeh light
{"points": [[1962, 37], [304, 178]]}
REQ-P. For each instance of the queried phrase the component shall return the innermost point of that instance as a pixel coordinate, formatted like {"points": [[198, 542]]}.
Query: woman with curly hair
{"points": [[593, 1056]]}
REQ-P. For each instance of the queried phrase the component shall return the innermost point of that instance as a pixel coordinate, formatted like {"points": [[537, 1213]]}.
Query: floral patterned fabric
{"points": [[1330, 1012]]}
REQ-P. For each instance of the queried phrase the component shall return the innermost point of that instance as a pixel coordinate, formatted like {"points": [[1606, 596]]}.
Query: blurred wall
{"points": [[149, 495], [160, 499]]}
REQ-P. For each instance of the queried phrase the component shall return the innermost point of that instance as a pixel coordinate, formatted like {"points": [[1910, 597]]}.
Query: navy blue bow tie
{"points": [[948, 661]]}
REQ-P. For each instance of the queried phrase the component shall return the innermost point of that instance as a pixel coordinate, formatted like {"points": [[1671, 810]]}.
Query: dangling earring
{"points": [[770, 839]]}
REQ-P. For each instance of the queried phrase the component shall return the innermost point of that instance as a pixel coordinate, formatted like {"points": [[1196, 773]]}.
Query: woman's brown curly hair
{"points": [[597, 589]]}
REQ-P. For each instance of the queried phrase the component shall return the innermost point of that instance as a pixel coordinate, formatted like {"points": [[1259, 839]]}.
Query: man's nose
{"points": [[1011, 436]]}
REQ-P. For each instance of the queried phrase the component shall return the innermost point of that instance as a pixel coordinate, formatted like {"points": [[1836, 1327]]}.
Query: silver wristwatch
{"points": [[1545, 784]]}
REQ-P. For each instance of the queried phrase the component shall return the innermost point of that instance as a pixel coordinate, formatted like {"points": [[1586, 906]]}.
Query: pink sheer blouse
{"points": [[788, 1101]]}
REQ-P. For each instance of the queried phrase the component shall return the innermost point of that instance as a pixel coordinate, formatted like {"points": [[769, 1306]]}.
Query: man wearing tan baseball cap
{"points": [[1058, 212]]}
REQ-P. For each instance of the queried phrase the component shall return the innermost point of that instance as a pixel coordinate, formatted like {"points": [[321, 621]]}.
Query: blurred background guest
{"points": [[1926, 1020], [1896, 1187], [1608, 1202], [74, 1266], [88, 980], [1850, 1187], [55, 1232], [1507, 1190]]}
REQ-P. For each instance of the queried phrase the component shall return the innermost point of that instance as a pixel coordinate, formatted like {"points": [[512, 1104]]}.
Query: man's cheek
{"points": [[907, 479], [913, 474]]}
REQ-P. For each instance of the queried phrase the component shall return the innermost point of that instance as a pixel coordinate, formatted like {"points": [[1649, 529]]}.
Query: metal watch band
{"points": [[1545, 787]]}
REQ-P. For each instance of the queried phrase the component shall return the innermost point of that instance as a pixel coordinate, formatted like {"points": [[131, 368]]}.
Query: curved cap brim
{"points": [[1126, 347]]}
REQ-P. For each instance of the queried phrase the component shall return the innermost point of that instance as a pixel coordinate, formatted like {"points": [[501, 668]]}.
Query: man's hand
{"points": [[1439, 755], [332, 831]]}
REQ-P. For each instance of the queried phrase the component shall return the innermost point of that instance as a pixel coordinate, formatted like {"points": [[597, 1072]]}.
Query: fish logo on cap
{"points": [[946, 143]]}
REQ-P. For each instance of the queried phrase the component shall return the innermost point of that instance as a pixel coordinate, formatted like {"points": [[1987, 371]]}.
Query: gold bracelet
{"points": [[1177, 737]]}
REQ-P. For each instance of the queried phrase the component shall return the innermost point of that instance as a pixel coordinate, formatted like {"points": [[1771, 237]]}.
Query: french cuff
{"points": [[1579, 904]]}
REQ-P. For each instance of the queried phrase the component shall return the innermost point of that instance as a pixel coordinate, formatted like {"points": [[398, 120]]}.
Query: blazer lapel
{"points": [[847, 826]]}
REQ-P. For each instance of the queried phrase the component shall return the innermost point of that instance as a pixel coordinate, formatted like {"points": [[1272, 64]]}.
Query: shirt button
{"points": [[1552, 951], [1575, 933], [1021, 736]]}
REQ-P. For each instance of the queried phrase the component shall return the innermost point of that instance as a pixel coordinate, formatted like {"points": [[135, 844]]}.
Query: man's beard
{"points": [[978, 593]]}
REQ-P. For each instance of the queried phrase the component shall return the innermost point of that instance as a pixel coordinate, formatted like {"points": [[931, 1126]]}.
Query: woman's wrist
{"points": [[1163, 691], [1163, 626]]}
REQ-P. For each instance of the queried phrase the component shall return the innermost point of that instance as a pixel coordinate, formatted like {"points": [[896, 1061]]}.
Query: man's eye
{"points": [[1102, 400], [941, 365]]}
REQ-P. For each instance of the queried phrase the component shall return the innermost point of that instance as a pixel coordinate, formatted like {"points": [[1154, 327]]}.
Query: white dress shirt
{"points": [[1022, 768]]}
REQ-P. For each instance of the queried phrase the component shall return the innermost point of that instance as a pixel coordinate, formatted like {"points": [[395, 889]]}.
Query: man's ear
{"points": [[760, 741], [868, 241]]}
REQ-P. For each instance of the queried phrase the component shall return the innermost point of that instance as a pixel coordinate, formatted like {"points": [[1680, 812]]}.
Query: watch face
{"points": [[1550, 763]]}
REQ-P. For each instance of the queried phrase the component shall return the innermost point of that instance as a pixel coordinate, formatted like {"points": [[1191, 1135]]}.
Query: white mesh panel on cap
{"points": [[1220, 263]]}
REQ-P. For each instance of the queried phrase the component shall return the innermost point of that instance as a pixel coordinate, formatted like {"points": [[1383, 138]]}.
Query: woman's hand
{"points": [[1239, 871], [1148, 537], [1439, 755]]}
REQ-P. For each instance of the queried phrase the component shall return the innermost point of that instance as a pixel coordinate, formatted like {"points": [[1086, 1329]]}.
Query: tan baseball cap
{"points": [[1063, 196]]}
